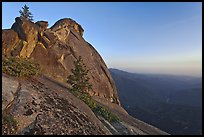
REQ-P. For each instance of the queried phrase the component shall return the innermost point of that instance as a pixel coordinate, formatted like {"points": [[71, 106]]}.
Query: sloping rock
{"points": [[9, 88], [41, 107], [56, 49]]}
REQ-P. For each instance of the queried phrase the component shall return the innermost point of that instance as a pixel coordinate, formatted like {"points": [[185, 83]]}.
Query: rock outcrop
{"points": [[56, 48], [43, 108], [11, 44], [44, 105], [28, 33]]}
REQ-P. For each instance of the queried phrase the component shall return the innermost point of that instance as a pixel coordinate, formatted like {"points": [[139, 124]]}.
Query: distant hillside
{"points": [[162, 99]]}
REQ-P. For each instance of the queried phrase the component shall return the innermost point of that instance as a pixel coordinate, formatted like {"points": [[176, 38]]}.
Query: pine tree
{"points": [[26, 13], [79, 80]]}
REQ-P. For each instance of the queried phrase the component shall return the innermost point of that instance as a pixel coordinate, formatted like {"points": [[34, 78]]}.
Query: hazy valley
{"points": [[171, 103]]}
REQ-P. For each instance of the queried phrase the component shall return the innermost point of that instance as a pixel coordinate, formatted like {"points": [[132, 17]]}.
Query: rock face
{"points": [[42, 24], [9, 88], [56, 48], [28, 32], [68, 23], [11, 44], [42, 106]]}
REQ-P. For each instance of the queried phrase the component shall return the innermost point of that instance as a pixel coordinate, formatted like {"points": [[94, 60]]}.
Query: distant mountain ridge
{"points": [[161, 99]]}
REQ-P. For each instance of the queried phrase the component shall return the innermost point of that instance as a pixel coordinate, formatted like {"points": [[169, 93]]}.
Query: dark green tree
{"points": [[26, 13], [79, 79]]}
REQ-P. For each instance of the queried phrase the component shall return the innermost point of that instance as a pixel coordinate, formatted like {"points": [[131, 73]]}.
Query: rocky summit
{"points": [[56, 48], [44, 105]]}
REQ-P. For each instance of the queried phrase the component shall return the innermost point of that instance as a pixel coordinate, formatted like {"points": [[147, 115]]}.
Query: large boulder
{"points": [[26, 29], [11, 44], [68, 23], [28, 32]]}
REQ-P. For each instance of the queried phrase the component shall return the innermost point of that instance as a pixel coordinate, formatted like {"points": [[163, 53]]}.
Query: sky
{"points": [[140, 37]]}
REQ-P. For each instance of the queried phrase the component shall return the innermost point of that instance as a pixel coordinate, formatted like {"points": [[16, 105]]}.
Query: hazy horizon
{"points": [[149, 37], [157, 73]]}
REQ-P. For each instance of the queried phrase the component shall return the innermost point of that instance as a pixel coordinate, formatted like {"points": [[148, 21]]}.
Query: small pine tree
{"points": [[79, 80], [26, 13]]}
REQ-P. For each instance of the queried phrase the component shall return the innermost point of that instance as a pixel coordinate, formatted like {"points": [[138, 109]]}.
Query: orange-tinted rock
{"points": [[44, 105], [68, 23], [10, 43], [56, 49], [27, 31]]}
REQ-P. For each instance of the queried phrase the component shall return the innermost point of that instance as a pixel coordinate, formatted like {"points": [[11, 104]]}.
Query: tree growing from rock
{"points": [[79, 79], [26, 13]]}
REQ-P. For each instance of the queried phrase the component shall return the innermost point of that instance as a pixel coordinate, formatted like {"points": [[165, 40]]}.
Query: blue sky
{"points": [[137, 37]]}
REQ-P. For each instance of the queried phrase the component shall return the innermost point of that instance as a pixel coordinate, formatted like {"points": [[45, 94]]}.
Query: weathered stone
{"points": [[26, 50], [44, 105], [54, 111], [10, 43], [45, 41], [9, 88], [62, 34], [68, 23], [57, 49], [42, 24], [50, 35], [57, 111], [27, 31]]}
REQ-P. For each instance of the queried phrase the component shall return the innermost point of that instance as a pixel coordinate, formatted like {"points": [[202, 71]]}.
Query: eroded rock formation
{"points": [[56, 48], [44, 105]]}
